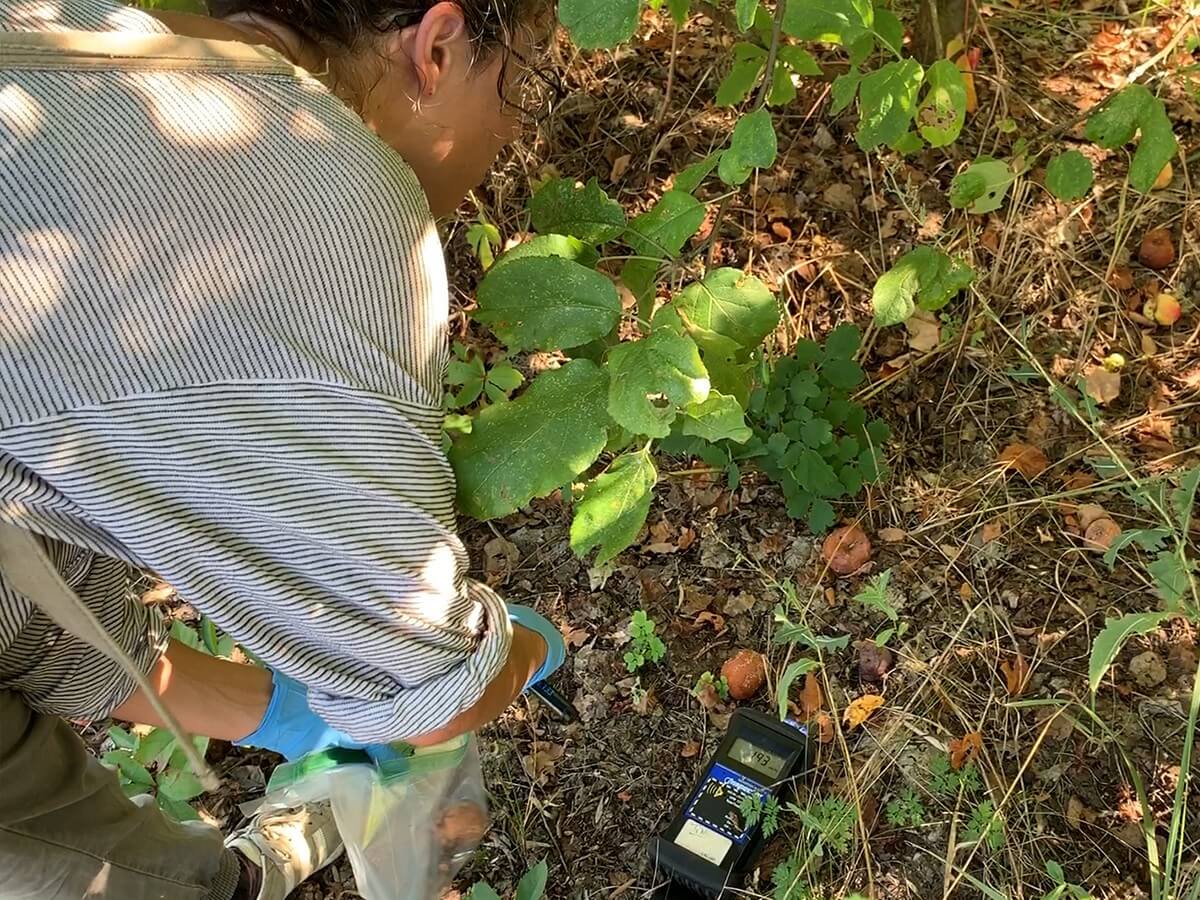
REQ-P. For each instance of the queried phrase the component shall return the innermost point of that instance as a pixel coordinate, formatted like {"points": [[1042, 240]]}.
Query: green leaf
{"points": [[844, 90], [547, 303], [122, 738], [816, 433], [693, 176], [943, 111], [599, 24], [797, 669], [583, 212], [875, 595], [788, 632], [179, 784], [131, 770], [821, 515], [744, 12], [1109, 642], [752, 146], [1171, 574], [799, 60], [482, 236], [481, 890], [982, 187], [1114, 124], [155, 748], [888, 100], [719, 418], [185, 634], [504, 377], [209, 635], [533, 885], [727, 306], [614, 507], [843, 342], [1183, 498], [560, 245], [748, 62], [843, 373], [470, 375], [651, 379], [177, 809], [908, 144], [662, 230], [889, 30], [783, 91], [924, 275], [1148, 538], [1069, 175], [829, 21], [679, 10], [1156, 148], [531, 445]]}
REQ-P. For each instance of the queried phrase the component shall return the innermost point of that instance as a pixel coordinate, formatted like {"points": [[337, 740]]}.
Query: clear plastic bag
{"points": [[409, 824]]}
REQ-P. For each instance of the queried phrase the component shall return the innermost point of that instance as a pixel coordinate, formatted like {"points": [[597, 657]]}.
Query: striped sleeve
{"points": [[307, 521]]}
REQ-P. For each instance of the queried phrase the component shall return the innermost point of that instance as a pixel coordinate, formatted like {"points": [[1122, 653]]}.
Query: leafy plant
{"points": [[532, 886], [484, 239], [905, 810], [809, 435], [1062, 887], [830, 823], [754, 808], [473, 378], [644, 645], [924, 277], [152, 762], [876, 595], [982, 186], [985, 826], [788, 879], [720, 685], [944, 781]]}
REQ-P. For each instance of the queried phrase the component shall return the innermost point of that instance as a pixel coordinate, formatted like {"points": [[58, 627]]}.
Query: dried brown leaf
{"points": [[861, 709], [1024, 458], [965, 749]]}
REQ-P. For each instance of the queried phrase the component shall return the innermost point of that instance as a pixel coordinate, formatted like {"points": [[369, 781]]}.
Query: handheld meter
{"points": [[708, 847]]}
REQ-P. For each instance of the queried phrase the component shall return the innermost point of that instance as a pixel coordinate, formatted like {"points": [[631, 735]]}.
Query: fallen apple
{"points": [[1163, 309], [1157, 250]]}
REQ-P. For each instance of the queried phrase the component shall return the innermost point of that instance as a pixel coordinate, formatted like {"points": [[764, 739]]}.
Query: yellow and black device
{"points": [[708, 849]]}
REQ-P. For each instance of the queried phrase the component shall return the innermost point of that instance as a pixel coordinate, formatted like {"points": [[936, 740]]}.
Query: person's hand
{"points": [[290, 727], [556, 649]]}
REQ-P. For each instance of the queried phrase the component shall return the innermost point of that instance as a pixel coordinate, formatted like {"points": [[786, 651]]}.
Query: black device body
{"points": [[708, 849]]}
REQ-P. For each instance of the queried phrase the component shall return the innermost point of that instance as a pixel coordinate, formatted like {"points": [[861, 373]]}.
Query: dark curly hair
{"points": [[345, 26]]}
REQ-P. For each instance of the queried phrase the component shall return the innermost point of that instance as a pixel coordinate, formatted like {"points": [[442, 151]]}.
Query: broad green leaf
{"points": [[155, 748], [728, 376], [1115, 123], [122, 738], [177, 809], [1183, 498], [843, 342], [799, 60], [210, 636], [547, 303], [982, 187], [178, 756], [662, 230], [889, 30], [469, 374], [924, 276], [1109, 642], [587, 213], [797, 669], [843, 373], [614, 507], [679, 10], [1155, 149], [908, 144], [179, 784], [482, 236], [1069, 175], [887, 99], [829, 21], [752, 146], [745, 10], [843, 91], [651, 379], [693, 176], [1171, 574], [132, 770], [748, 62], [599, 24], [504, 377], [185, 634], [533, 885], [727, 306], [719, 418], [943, 110], [821, 515], [531, 445], [481, 890], [788, 632], [783, 91], [1148, 538], [560, 245]]}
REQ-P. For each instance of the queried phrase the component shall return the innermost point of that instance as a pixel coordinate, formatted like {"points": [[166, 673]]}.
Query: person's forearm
{"points": [[211, 697], [524, 659]]}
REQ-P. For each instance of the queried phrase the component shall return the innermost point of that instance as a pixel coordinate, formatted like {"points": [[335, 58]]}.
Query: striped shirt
{"points": [[223, 316]]}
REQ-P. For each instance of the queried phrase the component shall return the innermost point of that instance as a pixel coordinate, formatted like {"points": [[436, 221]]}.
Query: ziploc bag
{"points": [[409, 823]]}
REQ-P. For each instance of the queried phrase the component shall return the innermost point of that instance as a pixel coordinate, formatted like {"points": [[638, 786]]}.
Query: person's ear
{"points": [[435, 48]]}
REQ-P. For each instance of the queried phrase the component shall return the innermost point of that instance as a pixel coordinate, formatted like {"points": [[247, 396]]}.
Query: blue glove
{"points": [[556, 649], [290, 726]]}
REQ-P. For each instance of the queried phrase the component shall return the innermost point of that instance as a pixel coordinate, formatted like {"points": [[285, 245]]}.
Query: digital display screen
{"points": [[757, 758]]}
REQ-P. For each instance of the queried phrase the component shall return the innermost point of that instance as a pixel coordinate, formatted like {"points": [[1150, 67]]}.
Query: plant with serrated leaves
{"points": [[828, 823], [473, 378], [945, 782], [707, 679], [985, 826], [788, 878], [905, 810], [809, 435], [876, 594], [754, 809], [644, 645]]}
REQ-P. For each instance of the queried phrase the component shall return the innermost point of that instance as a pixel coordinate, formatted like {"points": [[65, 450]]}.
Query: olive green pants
{"points": [[67, 831]]}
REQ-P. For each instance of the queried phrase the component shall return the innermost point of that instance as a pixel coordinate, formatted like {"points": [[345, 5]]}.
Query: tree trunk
{"points": [[938, 22]]}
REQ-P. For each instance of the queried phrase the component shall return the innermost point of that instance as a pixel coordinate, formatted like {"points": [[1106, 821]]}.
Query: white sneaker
{"points": [[289, 845]]}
